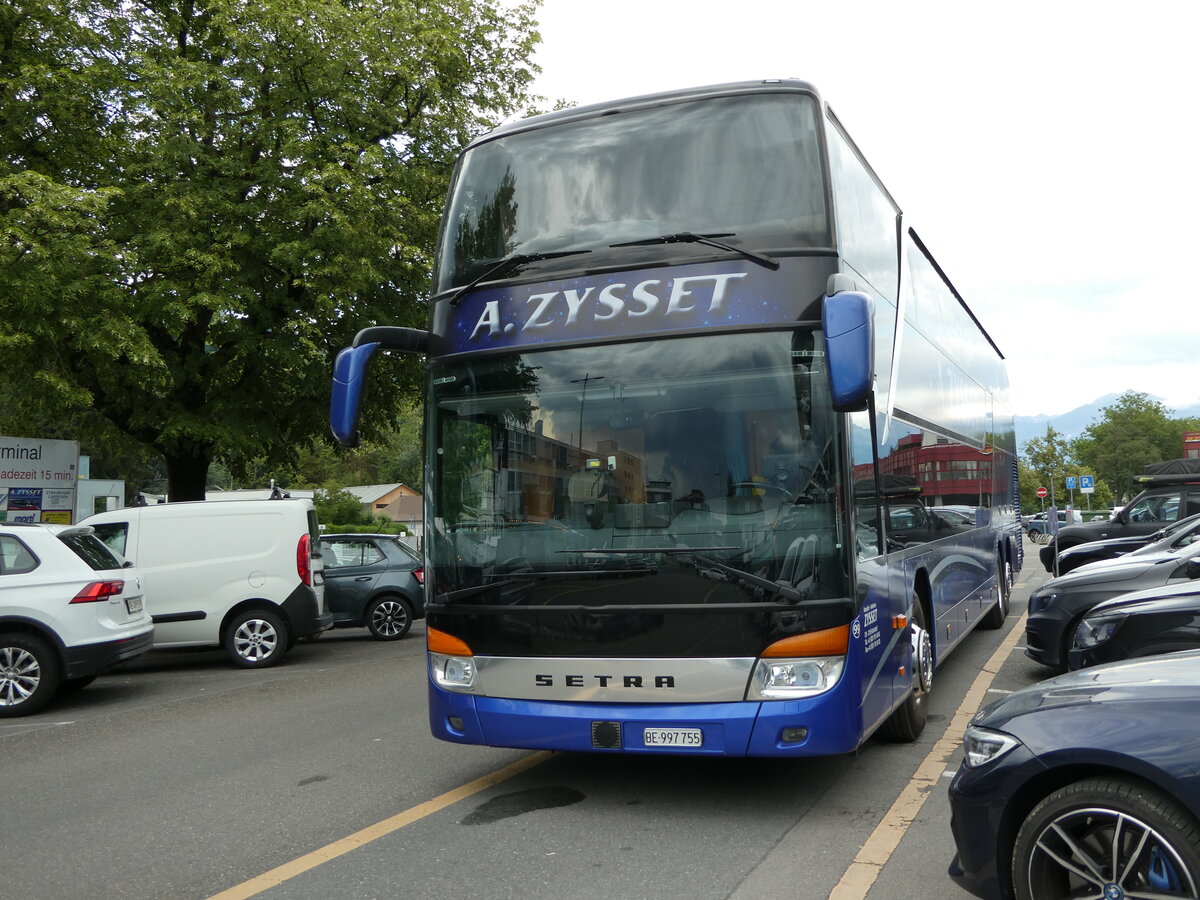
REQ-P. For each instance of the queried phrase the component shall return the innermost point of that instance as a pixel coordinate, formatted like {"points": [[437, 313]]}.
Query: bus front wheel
{"points": [[907, 721]]}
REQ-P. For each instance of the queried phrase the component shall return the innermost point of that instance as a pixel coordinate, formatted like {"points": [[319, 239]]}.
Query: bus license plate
{"points": [[673, 737], [133, 604]]}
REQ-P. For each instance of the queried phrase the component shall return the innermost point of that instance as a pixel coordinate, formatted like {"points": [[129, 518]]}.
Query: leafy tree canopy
{"points": [[1132, 433], [201, 200], [1046, 462]]}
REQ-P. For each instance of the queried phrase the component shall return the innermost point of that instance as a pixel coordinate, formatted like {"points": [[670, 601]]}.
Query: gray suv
{"points": [[1172, 493]]}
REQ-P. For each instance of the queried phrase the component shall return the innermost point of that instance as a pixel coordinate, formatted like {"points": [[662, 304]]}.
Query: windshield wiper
{"points": [[774, 588], [509, 262], [688, 237]]}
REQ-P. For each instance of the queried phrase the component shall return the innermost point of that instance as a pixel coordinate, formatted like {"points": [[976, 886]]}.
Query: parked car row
{"points": [[1172, 537], [250, 576], [1171, 492], [1039, 523], [1086, 784]]}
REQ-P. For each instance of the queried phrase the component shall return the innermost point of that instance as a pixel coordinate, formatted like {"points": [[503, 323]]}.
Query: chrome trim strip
{"points": [[609, 680]]}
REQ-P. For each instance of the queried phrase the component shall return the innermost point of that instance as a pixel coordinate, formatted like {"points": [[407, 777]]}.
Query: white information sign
{"points": [[37, 479]]}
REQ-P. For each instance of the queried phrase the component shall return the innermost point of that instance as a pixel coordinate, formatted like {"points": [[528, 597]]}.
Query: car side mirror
{"points": [[1192, 568], [1122, 517]]}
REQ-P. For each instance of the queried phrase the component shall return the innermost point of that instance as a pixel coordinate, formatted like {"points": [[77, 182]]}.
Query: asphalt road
{"points": [[179, 776]]}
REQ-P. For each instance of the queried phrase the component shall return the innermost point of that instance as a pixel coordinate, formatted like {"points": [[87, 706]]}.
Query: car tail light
{"points": [[419, 574], [304, 559], [99, 590]]}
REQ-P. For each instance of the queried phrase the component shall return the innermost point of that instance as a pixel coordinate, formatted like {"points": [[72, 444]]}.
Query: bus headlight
{"points": [[454, 673], [789, 679], [1092, 632]]}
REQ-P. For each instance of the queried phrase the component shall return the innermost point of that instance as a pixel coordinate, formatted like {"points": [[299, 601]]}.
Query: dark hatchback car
{"points": [[1084, 785], [1144, 623], [373, 580], [1172, 537]]}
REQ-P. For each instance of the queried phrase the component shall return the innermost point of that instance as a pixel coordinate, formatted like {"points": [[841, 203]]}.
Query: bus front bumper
{"points": [[817, 726]]}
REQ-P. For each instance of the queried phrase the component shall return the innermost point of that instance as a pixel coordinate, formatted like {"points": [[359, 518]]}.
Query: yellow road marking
{"points": [[302, 864], [874, 854]]}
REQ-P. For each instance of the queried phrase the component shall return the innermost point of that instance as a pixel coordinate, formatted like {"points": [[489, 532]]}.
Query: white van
{"points": [[243, 574]]}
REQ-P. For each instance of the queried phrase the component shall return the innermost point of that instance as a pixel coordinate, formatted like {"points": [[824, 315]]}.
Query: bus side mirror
{"points": [[847, 319], [350, 369]]}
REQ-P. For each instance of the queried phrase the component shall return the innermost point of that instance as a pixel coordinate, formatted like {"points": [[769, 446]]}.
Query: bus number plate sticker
{"points": [[673, 737]]}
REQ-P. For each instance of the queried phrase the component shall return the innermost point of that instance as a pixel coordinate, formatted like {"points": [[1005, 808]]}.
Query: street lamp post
{"points": [[582, 395]]}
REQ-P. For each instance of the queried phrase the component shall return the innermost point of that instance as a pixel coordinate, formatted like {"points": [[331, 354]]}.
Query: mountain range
{"points": [[1072, 424]]}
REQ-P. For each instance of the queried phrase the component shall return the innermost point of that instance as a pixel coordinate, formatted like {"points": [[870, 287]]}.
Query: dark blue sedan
{"points": [[1085, 785], [373, 580]]}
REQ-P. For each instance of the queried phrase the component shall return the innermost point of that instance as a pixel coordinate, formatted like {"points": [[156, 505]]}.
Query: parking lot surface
{"points": [[178, 776]]}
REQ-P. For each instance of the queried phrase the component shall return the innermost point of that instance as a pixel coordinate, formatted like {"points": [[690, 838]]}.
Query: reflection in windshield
{"points": [[686, 167], [689, 470]]}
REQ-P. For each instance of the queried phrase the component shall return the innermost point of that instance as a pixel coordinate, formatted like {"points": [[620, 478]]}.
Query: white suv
{"points": [[70, 609]]}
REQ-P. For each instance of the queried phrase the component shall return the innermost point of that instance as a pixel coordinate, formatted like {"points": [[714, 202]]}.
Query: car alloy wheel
{"points": [[29, 674], [1106, 839], [256, 639], [389, 618], [20, 675]]}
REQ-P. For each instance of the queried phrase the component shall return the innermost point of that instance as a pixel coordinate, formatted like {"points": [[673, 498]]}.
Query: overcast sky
{"points": [[1047, 153]]}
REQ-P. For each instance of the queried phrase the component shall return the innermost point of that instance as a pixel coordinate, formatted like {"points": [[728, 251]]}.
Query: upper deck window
{"points": [[746, 166]]}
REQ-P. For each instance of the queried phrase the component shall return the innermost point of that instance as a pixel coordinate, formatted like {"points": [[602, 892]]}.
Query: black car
{"points": [[1056, 608], [1144, 623], [1172, 537], [1084, 785], [373, 580]]}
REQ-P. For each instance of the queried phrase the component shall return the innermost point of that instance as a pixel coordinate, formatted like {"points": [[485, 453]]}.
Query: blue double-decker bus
{"points": [[717, 459]]}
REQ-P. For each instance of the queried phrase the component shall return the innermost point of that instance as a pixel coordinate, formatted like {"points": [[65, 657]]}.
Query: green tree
{"points": [[201, 200], [1045, 462], [1130, 434], [339, 506], [393, 455]]}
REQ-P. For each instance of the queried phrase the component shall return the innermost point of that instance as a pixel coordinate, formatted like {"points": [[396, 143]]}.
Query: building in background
{"points": [[397, 502]]}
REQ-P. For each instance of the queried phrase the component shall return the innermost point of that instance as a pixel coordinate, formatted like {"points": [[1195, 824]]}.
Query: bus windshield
{"points": [[745, 167], [630, 468]]}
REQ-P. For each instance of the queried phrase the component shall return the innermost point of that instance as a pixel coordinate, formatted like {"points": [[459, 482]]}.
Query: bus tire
{"points": [[907, 720], [997, 614]]}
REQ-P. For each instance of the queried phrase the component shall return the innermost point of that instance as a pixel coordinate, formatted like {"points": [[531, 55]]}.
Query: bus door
{"points": [[871, 629]]}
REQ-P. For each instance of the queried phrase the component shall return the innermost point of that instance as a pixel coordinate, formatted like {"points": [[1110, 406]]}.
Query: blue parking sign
{"points": [[1070, 482], [1087, 483]]}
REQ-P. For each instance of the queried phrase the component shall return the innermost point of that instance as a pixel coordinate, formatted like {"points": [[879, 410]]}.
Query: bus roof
{"points": [[790, 85]]}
